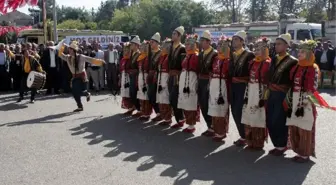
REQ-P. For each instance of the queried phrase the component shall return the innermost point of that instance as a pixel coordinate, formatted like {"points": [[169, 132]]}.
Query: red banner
{"points": [[6, 29], [6, 5]]}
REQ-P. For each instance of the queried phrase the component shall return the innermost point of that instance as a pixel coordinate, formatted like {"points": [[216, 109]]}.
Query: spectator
{"points": [[325, 61]]}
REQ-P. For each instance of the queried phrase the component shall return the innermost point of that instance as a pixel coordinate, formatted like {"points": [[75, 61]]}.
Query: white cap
{"points": [[180, 29], [241, 34], [285, 37], [74, 45], [136, 40], [206, 35], [156, 37]]}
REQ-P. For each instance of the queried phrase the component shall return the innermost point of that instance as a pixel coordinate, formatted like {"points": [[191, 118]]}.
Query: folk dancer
{"points": [[254, 116], [124, 84], [76, 63], [29, 63], [133, 75], [239, 75], [154, 56], [162, 96], [175, 58], [187, 96], [279, 84], [301, 111], [219, 90], [142, 95], [206, 58]]}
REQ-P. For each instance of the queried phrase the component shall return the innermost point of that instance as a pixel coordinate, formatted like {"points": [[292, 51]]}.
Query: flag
{"points": [[318, 100], [6, 5]]}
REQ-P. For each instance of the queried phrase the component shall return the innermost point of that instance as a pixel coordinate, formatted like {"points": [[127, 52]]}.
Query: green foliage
{"points": [[71, 24]]}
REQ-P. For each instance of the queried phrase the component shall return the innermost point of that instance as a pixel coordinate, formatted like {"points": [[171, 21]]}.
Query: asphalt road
{"points": [[44, 143]]}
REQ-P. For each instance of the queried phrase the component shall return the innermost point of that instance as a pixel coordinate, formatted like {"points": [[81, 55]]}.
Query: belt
{"points": [[203, 76], [240, 79], [276, 87], [218, 76], [132, 71], [79, 75], [174, 72]]}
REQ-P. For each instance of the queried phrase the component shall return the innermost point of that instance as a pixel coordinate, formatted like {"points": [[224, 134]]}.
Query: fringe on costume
{"points": [[191, 117], [303, 141], [145, 107], [255, 137], [165, 111], [220, 125]]}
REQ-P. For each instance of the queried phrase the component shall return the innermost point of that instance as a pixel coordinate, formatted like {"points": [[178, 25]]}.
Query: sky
{"points": [[88, 4]]}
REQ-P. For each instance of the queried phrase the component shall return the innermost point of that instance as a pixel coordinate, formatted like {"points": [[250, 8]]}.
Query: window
{"points": [[20, 40], [303, 35], [291, 32], [32, 40], [316, 33]]}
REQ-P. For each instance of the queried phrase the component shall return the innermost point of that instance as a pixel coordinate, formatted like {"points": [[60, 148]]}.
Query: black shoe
{"points": [[19, 100], [78, 110], [88, 97]]}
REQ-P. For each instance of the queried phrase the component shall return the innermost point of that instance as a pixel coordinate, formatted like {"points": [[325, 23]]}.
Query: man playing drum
{"points": [[30, 63]]}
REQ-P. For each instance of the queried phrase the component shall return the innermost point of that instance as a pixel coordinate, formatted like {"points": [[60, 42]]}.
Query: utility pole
{"points": [[55, 21], [44, 10]]}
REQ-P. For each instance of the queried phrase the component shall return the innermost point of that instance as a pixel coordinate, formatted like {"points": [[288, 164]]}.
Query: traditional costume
{"points": [[187, 97], [133, 75], [206, 58], [279, 84], [175, 57], [79, 80], [219, 90], [162, 96], [142, 95], [239, 76], [301, 111], [125, 63], [254, 116], [153, 57]]}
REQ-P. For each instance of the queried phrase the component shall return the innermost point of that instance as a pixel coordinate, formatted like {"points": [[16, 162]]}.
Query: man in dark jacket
{"points": [[325, 61], [51, 64]]}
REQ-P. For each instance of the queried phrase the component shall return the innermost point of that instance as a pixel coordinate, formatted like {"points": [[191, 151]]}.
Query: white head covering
{"points": [[206, 35], [241, 34], [285, 37], [156, 37], [180, 29], [136, 40]]}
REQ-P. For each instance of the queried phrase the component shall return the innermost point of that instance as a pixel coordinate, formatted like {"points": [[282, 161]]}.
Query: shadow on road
{"points": [[190, 158], [46, 119]]}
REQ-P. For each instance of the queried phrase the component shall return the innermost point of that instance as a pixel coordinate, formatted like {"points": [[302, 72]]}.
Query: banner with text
{"points": [[103, 40]]}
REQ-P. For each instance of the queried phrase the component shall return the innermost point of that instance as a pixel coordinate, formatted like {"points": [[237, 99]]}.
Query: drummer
{"points": [[76, 64], [30, 63]]}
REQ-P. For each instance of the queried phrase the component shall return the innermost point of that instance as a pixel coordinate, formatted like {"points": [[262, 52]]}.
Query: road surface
{"points": [[44, 143]]}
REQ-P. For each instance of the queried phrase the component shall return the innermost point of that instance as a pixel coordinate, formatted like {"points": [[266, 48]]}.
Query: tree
{"points": [[232, 6], [66, 13], [71, 24], [106, 10], [38, 14]]}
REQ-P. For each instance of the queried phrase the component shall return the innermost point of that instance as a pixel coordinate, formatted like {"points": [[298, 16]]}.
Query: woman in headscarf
{"points": [[187, 99], [301, 112], [76, 63], [162, 96], [142, 95], [219, 90], [124, 80], [254, 111]]}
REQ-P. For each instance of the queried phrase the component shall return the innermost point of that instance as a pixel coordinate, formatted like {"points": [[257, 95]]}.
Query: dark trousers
{"points": [[17, 77], [276, 119], [237, 102], [52, 80], [203, 100], [66, 78], [23, 88], [173, 89], [152, 96], [112, 77], [79, 89], [5, 79], [134, 91]]}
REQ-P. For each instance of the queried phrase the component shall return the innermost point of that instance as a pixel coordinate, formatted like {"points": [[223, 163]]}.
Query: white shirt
{"points": [[324, 58], [52, 58], [113, 56]]}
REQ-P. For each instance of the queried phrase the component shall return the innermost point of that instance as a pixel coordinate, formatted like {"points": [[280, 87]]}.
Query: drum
{"points": [[36, 80]]}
